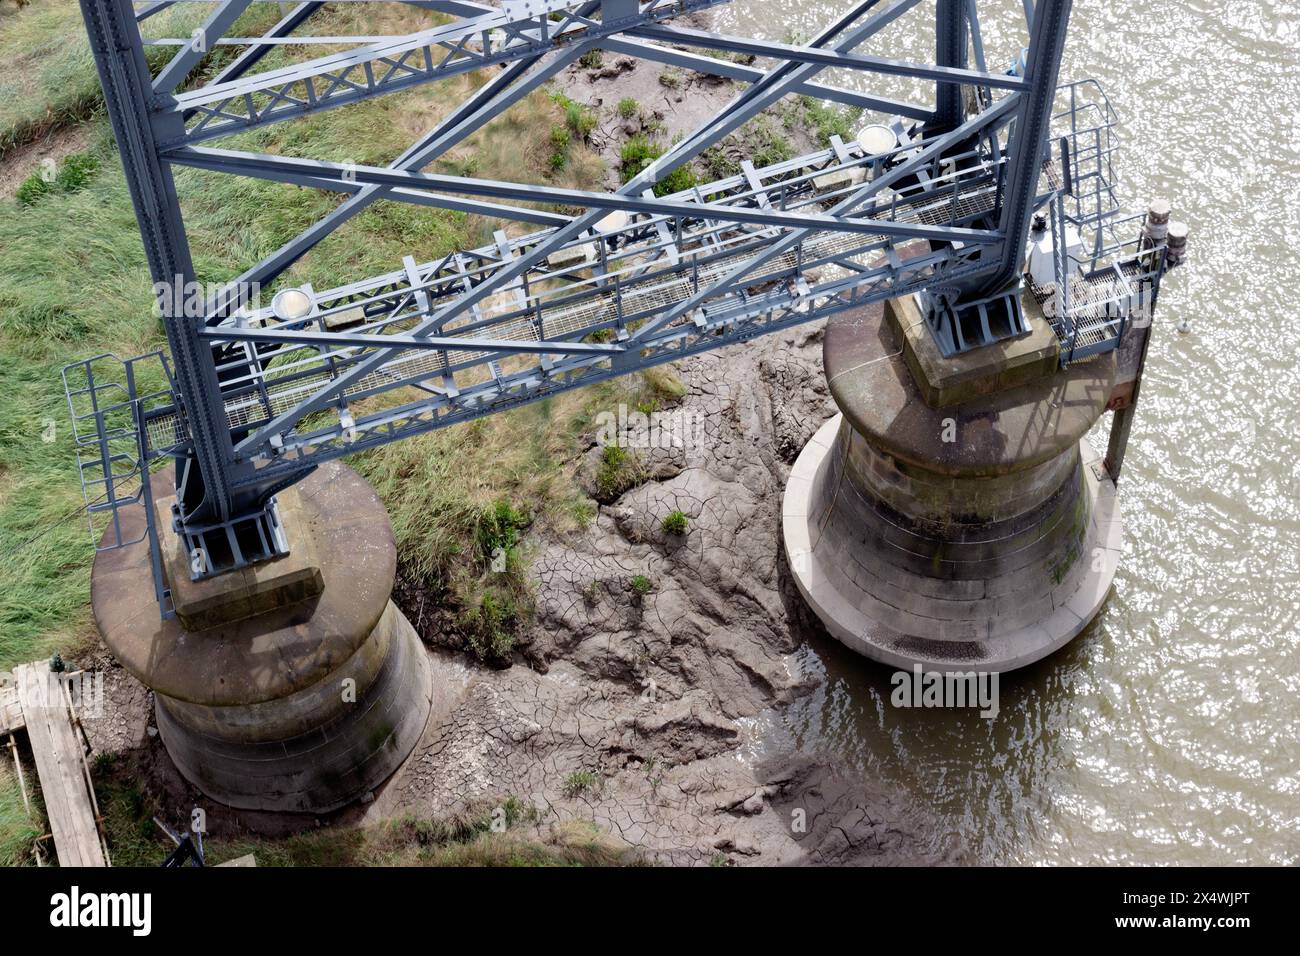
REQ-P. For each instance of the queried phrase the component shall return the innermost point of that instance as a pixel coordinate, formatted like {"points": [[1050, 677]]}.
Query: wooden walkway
{"points": [[11, 711], [41, 703]]}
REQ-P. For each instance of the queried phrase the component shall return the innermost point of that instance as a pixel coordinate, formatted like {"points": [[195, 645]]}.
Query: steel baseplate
{"points": [[219, 546], [972, 324]]}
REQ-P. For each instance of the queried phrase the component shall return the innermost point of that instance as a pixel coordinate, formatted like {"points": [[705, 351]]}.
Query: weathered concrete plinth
{"points": [[303, 707], [982, 534]]}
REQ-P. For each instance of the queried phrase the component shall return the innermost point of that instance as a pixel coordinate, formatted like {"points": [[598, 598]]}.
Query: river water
{"points": [[1167, 732]]}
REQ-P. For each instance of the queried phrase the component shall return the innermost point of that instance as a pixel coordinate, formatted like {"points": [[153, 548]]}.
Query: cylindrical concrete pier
{"points": [[973, 530], [303, 707]]}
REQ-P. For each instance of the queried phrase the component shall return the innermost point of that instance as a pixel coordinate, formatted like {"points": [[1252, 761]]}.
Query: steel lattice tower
{"points": [[258, 398]]}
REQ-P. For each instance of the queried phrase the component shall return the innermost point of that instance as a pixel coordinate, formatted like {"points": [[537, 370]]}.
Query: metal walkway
{"points": [[598, 287]]}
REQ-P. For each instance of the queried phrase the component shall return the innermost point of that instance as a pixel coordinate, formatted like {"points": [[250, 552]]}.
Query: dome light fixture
{"points": [[290, 305], [877, 139]]}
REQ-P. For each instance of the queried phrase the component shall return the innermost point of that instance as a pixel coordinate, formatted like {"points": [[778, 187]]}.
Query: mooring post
{"points": [[1163, 245]]}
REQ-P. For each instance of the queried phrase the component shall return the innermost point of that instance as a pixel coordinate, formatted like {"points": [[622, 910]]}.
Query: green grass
{"points": [[827, 119], [628, 107], [618, 471], [32, 189], [582, 120], [759, 140], [128, 812], [675, 523], [18, 828], [49, 79], [499, 527], [75, 284], [636, 154], [639, 152], [559, 147], [74, 174], [493, 624], [641, 584]]}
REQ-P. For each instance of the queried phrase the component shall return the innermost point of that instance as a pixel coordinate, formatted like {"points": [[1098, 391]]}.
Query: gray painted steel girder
{"points": [[150, 125]]}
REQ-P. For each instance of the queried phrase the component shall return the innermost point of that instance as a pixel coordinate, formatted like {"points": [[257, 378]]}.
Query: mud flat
{"points": [[647, 692]]}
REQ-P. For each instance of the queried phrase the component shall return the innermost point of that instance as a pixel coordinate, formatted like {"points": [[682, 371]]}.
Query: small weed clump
{"points": [[628, 107], [675, 523], [759, 141], [580, 781], [498, 529], [641, 584], [592, 59], [559, 147], [639, 152], [636, 154], [663, 385], [76, 171], [492, 626], [580, 119], [619, 470], [583, 512], [720, 162], [766, 145], [32, 189], [73, 176], [829, 120], [497, 609], [679, 180]]}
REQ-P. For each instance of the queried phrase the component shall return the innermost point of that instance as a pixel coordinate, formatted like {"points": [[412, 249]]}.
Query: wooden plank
{"points": [[11, 711], [57, 751]]}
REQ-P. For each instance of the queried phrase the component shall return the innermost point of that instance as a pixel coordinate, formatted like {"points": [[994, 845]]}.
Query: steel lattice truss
{"points": [[257, 398]]}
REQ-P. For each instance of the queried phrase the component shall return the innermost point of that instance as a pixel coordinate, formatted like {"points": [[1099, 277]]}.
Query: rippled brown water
{"points": [[1167, 733]]}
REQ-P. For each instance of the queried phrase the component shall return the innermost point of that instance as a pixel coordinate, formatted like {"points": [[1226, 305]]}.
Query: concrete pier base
{"points": [[305, 706], [980, 535]]}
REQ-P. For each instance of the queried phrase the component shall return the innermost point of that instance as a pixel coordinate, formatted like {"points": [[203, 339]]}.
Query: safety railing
{"points": [[1100, 280], [108, 402]]}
